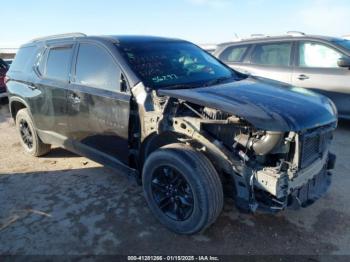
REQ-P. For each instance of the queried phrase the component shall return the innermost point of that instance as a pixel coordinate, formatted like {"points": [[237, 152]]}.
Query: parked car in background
{"points": [[319, 63], [8, 62], [210, 48], [3, 69], [188, 127]]}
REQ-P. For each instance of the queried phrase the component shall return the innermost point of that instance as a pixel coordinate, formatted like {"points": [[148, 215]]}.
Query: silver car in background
{"points": [[319, 63]]}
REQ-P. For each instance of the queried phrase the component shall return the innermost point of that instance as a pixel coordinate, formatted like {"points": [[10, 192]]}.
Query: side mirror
{"points": [[344, 62]]}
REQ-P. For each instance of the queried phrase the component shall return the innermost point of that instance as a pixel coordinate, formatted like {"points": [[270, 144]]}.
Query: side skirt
{"points": [[86, 151]]}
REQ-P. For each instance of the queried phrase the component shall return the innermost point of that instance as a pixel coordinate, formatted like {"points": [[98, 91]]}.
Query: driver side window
{"points": [[95, 67], [318, 55]]}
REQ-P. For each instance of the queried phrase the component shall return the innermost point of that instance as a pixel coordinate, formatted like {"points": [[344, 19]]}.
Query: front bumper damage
{"points": [[315, 188], [312, 188], [267, 188]]}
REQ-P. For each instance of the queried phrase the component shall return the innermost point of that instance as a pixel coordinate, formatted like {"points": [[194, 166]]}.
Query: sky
{"points": [[200, 21]]}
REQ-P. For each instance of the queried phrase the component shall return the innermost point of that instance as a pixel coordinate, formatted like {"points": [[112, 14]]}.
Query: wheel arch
{"points": [[154, 141], [16, 104]]}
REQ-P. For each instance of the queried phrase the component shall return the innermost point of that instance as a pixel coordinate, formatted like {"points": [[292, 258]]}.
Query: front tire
{"points": [[182, 188], [30, 140]]}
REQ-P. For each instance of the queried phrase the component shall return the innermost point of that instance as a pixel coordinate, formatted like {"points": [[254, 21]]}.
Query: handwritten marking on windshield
{"points": [[158, 79]]}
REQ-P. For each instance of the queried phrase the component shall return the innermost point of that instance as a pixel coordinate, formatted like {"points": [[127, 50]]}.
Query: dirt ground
{"points": [[66, 204]]}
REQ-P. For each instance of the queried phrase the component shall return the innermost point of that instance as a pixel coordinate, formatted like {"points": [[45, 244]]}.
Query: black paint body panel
{"points": [[266, 104]]}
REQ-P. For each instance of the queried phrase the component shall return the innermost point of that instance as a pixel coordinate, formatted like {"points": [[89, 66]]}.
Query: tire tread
{"points": [[209, 177], [40, 147]]}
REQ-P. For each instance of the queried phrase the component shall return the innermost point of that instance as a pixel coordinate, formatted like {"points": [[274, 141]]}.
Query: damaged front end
{"points": [[294, 172], [263, 170], [270, 170]]}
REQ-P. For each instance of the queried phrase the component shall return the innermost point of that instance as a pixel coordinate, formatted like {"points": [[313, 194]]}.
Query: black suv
{"points": [[188, 127]]}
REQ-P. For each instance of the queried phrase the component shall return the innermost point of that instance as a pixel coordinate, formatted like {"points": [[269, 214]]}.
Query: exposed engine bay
{"points": [[263, 170]]}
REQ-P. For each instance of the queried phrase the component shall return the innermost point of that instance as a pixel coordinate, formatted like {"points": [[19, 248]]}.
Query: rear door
{"points": [[98, 107], [50, 103], [271, 60], [317, 69]]}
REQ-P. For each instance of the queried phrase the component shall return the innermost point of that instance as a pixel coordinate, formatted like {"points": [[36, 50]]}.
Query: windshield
{"points": [[173, 64], [344, 43]]}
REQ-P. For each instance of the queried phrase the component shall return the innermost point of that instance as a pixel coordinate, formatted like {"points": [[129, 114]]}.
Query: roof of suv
{"points": [[283, 37], [115, 38], [141, 38]]}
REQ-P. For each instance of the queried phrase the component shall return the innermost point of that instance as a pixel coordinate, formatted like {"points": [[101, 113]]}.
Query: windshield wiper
{"points": [[178, 86], [218, 80], [198, 84]]}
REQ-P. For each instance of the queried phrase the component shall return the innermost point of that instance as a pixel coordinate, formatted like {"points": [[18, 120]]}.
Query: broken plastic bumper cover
{"points": [[303, 196], [314, 189]]}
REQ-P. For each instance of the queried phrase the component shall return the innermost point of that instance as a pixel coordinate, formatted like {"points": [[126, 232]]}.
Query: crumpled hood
{"points": [[266, 104]]}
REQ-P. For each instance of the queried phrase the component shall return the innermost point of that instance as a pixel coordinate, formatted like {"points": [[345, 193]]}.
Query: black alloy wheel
{"points": [[26, 133], [182, 188], [30, 140], [172, 193]]}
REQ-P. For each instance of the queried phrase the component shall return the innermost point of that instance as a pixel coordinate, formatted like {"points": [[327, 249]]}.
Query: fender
{"points": [[13, 99]]}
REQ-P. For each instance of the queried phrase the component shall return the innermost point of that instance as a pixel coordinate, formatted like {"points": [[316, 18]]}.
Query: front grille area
{"points": [[313, 145]]}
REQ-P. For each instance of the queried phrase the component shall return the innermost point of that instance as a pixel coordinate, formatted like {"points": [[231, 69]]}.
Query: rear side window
{"points": [[95, 67], [234, 53], [24, 59], [58, 63], [274, 54], [317, 55]]}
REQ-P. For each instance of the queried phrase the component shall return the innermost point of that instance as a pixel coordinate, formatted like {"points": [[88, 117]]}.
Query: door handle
{"points": [[32, 86], [303, 77], [74, 98]]}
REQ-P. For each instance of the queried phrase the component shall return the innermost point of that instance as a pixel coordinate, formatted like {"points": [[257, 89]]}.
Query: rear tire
{"points": [[177, 177], [30, 140]]}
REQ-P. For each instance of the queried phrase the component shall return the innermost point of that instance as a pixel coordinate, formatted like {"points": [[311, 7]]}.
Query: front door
{"points": [[318, 70], [98, 109]]}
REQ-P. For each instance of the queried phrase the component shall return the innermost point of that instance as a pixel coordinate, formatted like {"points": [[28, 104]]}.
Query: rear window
{"points": [[275, 54], [58, 63], [24, 59], [233, 53]]}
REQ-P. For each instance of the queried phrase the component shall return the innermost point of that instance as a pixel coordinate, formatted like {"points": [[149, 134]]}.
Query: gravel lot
{"points": [[66, 204]]}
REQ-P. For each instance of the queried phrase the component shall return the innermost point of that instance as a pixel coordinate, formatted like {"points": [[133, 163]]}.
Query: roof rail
{"points": [[58, 36], [252, 36], [295, 33], [258, 35]]}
